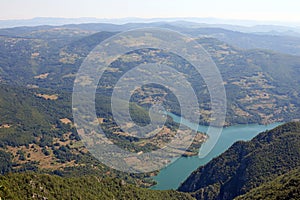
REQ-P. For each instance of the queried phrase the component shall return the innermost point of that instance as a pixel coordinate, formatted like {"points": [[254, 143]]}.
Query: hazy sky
{"points": [[279, 10]]}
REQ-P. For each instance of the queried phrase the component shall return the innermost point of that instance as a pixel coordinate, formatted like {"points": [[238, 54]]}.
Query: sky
{"points": [[264, 10]]}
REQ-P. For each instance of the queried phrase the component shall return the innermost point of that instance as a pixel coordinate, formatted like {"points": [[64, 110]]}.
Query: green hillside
{"points": [[37, 134], [247, 165], [286, 186], [37, 186]]}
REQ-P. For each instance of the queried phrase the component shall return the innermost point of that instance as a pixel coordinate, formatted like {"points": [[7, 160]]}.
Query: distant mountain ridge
{"points": [[278, 38], [241, 24]]}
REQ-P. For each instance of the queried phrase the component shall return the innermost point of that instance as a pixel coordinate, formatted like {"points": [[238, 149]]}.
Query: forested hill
{"points": [[37, 186], [247, 165], [286, 186], [37, 133]]}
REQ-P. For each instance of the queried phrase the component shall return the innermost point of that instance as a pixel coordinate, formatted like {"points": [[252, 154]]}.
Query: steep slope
{"points": [[246, 165], [286, 186], [36, 186]]}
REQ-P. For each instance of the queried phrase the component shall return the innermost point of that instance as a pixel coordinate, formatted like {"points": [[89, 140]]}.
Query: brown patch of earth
{"points": [[48, 96]]}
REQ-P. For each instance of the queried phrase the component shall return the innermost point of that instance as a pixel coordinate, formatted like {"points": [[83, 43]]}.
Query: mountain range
{"points": [[41, 154], [261, 84]]}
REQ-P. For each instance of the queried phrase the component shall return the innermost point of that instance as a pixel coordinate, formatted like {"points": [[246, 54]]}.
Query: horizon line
{"points": [[126, 20]]}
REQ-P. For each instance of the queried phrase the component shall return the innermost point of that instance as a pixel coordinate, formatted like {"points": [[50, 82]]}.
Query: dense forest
{"points": [[36, 186], [286, 186]]}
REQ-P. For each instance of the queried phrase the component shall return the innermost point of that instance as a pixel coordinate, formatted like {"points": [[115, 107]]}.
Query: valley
{"points": [[41, 151]]}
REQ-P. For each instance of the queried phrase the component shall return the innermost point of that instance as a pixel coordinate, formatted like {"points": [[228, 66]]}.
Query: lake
{"points": [[175, 173]]}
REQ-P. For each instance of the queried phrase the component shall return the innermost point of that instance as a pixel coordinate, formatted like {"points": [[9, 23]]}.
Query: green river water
{"points": [[175, 173]]}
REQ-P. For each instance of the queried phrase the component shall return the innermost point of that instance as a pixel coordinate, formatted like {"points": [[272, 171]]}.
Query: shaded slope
{"points": [[286, 186]]}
